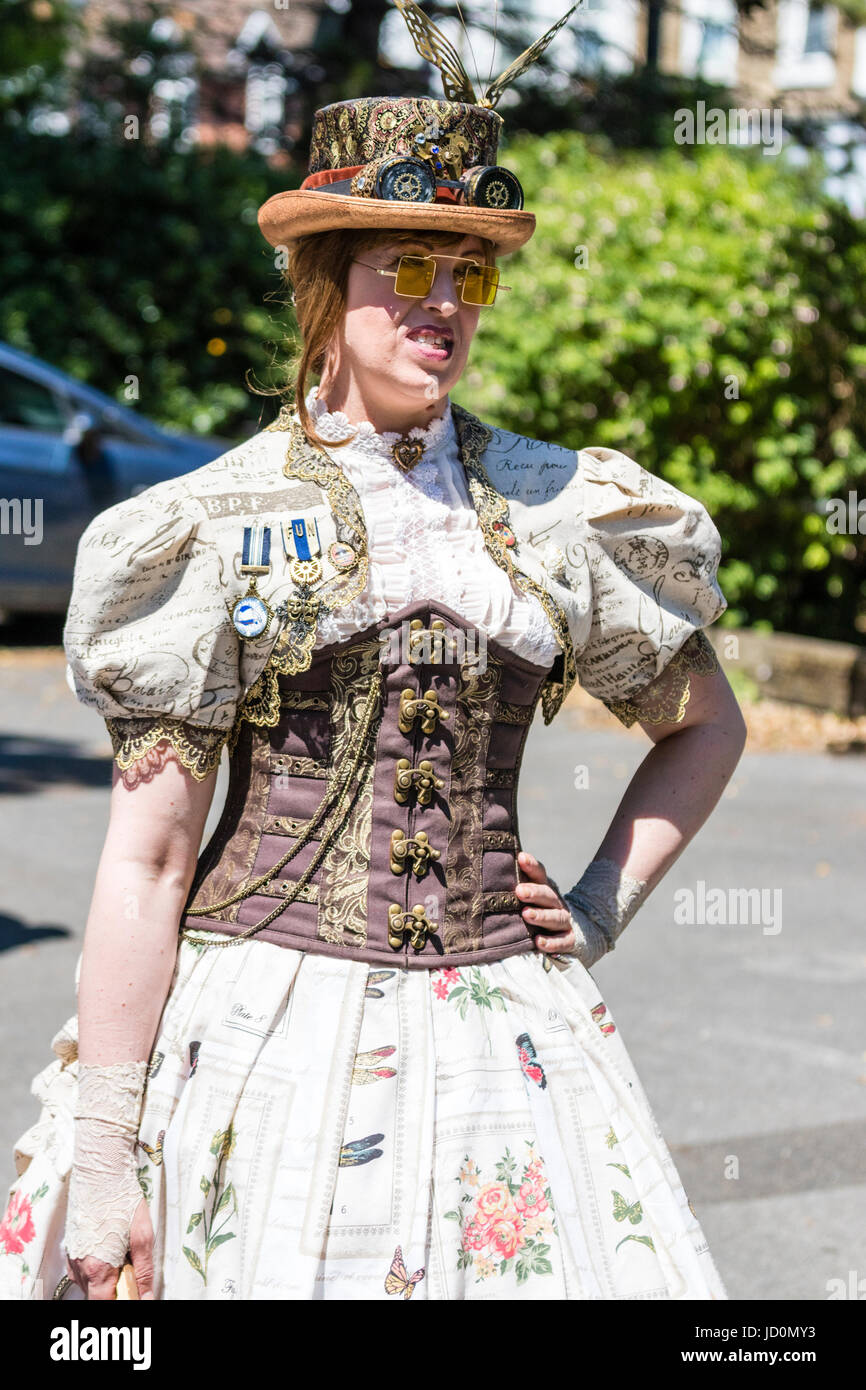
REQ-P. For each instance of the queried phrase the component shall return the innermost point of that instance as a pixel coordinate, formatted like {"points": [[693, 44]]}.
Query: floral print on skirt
{"points": [[322, 1129]]}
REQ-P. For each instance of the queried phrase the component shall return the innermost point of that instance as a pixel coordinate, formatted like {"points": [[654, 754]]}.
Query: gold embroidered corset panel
{"points": [[378, 818]]}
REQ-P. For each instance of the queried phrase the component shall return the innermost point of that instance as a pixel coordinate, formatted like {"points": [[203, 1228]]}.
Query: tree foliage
{"points": [[716, 334]]}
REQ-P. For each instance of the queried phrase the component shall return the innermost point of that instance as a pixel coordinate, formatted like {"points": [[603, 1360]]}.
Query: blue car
{"points": [[66, 453]]}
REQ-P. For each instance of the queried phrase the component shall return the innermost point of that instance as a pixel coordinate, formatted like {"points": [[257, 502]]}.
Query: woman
{"points": [[376, 1064]]}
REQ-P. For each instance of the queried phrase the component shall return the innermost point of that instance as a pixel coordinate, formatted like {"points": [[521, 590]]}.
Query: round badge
{"points": [[250, 616], [505, 532], [342, 555]]}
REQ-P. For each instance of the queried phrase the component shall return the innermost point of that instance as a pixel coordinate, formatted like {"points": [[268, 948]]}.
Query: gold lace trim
{"points": [[301, 699], [197, 747], [462, 926], [345, 873], [299, 765], [305, 461], [664, 699], [492, 509], [260, 705], [508, 713], [293, 649]]}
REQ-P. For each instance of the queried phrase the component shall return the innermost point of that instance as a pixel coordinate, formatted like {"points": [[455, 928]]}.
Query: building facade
{"points": [[239, 73]]}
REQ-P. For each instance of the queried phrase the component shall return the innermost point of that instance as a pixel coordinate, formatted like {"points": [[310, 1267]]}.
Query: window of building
{"points": [[805, 45], [258, 30], [605, 35], [173, 108], [818, 29], [265, 100], [590, 51], [858, 75], [709, 40]]}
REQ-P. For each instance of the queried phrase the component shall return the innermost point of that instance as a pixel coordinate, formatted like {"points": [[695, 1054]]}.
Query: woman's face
{"points": [[380, 366]]}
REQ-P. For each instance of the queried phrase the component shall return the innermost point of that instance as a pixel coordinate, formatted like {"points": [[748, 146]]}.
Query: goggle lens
{"points": [[478, 282]]}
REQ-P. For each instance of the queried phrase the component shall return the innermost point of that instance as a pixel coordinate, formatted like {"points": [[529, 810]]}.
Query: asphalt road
{"points": [[748, 1038]]}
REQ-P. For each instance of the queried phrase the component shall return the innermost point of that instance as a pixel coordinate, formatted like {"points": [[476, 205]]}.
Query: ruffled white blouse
{"points": [[424, 538]]}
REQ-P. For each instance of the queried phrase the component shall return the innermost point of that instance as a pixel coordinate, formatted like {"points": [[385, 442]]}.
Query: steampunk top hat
{"points": [[412, 162]]}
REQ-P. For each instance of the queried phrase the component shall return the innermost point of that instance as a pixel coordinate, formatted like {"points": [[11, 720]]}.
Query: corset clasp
{"points": [[415, 922], [424, 707]]}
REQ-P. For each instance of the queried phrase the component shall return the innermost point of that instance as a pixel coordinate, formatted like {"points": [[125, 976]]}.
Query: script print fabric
{"points": [[320, 1129], [626, 559]]}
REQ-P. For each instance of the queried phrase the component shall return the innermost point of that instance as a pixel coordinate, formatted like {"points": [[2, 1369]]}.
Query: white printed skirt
{"points": [[315, 1128]]}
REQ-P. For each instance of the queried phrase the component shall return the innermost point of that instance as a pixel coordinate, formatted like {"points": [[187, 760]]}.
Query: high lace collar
{"points": [[336, 425]]}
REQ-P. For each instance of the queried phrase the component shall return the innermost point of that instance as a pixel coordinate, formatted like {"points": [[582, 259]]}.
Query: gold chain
{"points": [[366, 721]]}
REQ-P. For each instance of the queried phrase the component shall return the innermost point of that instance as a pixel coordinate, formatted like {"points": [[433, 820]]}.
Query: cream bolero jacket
{"points": [[623, 563]]}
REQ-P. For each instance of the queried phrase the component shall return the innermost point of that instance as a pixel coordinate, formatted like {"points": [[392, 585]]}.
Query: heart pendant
{"points": [[407, 453]]}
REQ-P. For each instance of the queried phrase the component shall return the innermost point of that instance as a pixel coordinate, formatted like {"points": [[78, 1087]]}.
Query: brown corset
{"points": [[411, 831]]}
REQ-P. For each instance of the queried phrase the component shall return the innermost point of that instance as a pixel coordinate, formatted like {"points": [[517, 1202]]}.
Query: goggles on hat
{"points": [[410, 179], [415, 274]]}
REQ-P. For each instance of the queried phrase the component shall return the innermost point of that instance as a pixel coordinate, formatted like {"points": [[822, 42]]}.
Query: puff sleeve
{"points": [[653, 554], [148, 637]]}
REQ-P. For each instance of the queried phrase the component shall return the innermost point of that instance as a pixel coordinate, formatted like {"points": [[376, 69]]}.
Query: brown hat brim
{"points": [[301, 212]]}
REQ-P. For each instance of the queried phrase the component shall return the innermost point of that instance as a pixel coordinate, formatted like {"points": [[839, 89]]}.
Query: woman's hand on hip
{"points": [[544, 911]]}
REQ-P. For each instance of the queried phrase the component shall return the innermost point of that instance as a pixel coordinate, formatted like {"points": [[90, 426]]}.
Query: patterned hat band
{"points": [[408, 179]]}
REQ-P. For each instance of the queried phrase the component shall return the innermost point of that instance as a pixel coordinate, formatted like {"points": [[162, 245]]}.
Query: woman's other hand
{"points": [[98, 1280], [545, 912]]}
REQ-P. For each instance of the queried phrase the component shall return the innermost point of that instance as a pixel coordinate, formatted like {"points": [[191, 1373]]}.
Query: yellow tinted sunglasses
{"points": [[415, 274]]}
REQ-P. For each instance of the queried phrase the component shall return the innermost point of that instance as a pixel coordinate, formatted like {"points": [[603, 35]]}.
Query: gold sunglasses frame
{"points": [[440, 256]]}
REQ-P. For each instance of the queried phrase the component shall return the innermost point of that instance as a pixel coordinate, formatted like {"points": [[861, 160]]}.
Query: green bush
{"points": [[119, 259], [715, 334]]}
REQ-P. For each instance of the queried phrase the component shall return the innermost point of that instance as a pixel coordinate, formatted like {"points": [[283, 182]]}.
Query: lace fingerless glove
{"points": [[104, 1190], [601, 904]]}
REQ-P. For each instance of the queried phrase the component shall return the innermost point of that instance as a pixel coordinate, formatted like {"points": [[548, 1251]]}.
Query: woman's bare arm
{"points": [[668, 799], [158, 813], [679, 782]]}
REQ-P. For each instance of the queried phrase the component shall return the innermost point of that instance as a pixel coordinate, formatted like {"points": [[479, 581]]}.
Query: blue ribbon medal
{"points": [[303, 547], [252, 615]]}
